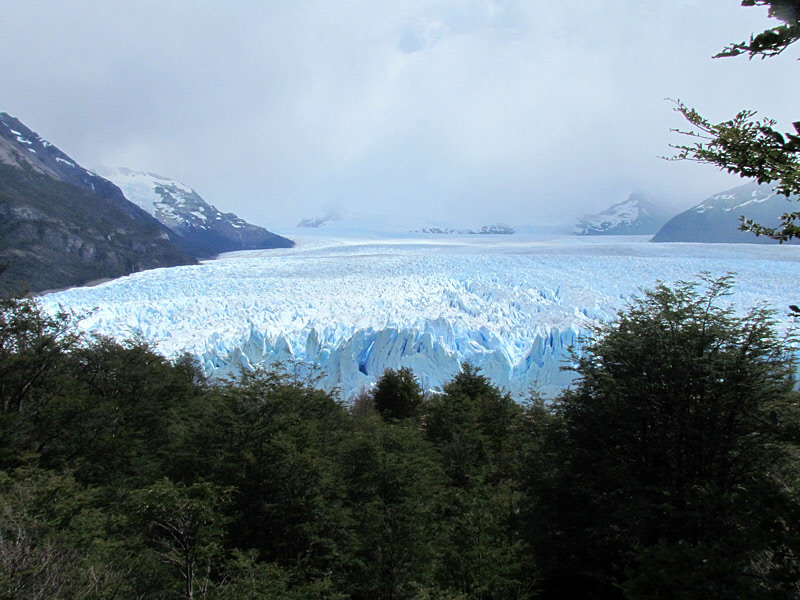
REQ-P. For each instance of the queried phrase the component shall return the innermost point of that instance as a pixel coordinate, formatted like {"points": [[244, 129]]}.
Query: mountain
{"points": [[331, 214], [496, 229], [336, 220], [635, 216], [203, 230], [61, 225], [717, 218]]}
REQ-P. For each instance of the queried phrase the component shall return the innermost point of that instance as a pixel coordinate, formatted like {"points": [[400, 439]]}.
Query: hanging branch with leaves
{"points": [[746, 145], [749, 147]]}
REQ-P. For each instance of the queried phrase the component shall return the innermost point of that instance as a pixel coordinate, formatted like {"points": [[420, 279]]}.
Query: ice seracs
{"points": [[354, 307]]}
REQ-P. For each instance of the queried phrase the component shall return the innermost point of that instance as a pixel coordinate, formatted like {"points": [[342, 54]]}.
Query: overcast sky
{"points": [[478, 110]]}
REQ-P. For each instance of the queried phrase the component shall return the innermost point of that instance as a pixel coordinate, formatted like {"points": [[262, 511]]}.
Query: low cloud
{"points": [[449, 109]]}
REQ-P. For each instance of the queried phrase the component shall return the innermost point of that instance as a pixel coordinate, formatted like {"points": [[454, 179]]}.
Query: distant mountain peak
{"points": [[204, 230], [736, 198], [717, 218], [330, 213], [636, 215]]}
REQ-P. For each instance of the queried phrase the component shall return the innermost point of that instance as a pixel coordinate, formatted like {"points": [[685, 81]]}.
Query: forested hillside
{"points": [[669, 471]]}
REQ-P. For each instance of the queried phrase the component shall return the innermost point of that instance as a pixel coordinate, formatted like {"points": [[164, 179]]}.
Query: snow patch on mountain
{"points": [[174, 204], [717, 219], [634, 216], [737, 198], [204, 231]]}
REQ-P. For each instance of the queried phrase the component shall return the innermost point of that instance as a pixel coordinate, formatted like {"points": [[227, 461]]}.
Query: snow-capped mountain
{"points": [[62, 225], [352, 307], [336, 220], [635, 216], [23, 148], [717, 219], [204, 231]]}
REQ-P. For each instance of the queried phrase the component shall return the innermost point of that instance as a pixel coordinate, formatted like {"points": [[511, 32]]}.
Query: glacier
{"points": [[344, 308]]}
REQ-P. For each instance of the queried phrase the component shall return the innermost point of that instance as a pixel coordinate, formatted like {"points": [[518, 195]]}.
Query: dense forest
{"points": [[669, 470]]}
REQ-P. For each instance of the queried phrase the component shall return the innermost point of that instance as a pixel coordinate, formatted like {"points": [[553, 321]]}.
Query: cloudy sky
{"points": [[472, 111]]}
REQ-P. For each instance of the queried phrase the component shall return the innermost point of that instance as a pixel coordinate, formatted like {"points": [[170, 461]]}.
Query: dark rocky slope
{"points": [[61, 225]]}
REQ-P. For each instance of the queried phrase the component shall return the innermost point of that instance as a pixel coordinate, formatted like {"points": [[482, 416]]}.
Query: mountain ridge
{"points": [[636, 215], [202, 229], [63, 225], [717, 218]]}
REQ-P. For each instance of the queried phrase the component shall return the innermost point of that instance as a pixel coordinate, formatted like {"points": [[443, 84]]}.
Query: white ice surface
{"points": [[355, 306]]}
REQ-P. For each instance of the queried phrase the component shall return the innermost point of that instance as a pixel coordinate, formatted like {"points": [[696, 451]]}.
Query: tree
{"points": [[32, 343], [113, 414], [476, 428], [397, 394], [775, 40], [53, 540], [675, 459], [481, 436], [392, 479], [275, 441], [746, 145], [183, 525]]}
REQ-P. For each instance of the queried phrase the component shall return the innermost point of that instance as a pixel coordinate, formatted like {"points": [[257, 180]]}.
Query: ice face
{"points": [[354, 307]]}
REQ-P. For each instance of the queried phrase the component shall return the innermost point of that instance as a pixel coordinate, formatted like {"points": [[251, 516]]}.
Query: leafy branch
{"points": [[770, 42], [749, 147]]}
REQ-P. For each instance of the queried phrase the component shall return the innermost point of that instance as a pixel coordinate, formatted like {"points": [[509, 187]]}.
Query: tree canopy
{"points": [[669, 470], [675, 456], [773, 41]]}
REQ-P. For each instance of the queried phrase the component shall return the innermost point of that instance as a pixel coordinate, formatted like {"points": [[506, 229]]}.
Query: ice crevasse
{"points": [[351, 309]]}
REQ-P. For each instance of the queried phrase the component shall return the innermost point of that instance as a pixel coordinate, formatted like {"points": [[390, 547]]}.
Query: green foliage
{"points": [[482, 437], [775, 40], [32, 343], [275, 441], [184, 526], [247, 578], [53, 540], [397, 394], [673, 465], [112, 415], [677, 437], [748, 146], [392, 482], [751, 148], [476, 428]]}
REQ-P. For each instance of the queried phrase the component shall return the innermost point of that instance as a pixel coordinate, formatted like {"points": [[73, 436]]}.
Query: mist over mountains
{"points": [[64, 225]]}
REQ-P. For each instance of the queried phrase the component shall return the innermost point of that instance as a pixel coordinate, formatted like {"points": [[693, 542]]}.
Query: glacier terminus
{"points": [[350, 306]]}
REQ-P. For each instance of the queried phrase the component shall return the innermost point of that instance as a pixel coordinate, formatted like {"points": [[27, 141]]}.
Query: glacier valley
{"points": [[354, 305]]}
